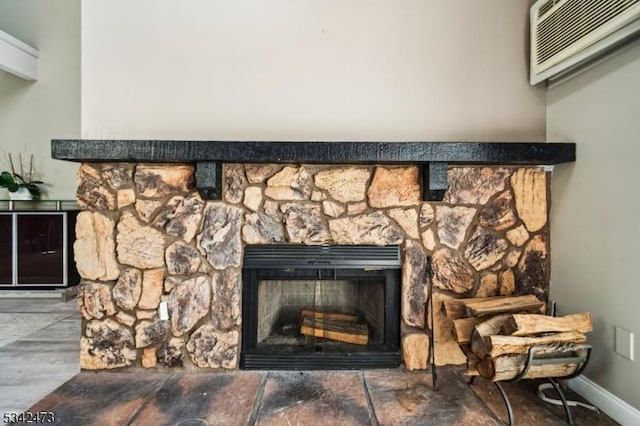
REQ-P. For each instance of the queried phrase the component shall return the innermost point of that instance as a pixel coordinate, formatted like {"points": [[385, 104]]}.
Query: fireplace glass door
{"points": [[323, 308]]}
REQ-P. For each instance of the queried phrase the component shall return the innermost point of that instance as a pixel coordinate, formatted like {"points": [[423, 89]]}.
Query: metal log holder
{"points": [[577, 354]]}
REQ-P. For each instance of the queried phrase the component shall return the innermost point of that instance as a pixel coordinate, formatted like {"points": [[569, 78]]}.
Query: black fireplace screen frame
{"points": [[320, 262]]}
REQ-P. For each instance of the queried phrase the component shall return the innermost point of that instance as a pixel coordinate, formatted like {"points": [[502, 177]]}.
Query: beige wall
{"points": [[32, 113], [288, 70], [595, 226]]}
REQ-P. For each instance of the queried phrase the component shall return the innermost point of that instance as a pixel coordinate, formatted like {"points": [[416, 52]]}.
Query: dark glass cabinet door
{"points": [[40, 249], [6, 235]]}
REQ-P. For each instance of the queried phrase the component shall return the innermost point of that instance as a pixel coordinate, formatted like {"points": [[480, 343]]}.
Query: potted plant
{"points": [[21, 186]]}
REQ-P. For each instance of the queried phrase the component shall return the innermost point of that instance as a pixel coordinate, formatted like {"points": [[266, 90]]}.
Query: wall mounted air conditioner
{"points": [[568, 34]]}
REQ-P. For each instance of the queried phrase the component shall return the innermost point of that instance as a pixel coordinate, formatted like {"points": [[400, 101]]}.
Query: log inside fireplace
{"points": [[283, 282]]}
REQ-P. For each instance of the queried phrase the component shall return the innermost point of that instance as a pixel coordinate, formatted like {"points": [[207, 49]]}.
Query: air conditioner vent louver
{"points": [[564, 30]]}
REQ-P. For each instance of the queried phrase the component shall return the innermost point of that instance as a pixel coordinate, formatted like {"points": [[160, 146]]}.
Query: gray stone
{"points": [[94, 248], [127, 290], [233, 182], [147, 209], [451, 272], [225, 303], [272, 209], [344, 184], [260, 228], [162, 216], [106, 344], [138, 245], [92, 192], [304, 224], [474, 185], [150, 333], [394, 187], [453, 223], [184, 222], [182, 259], [160, 180], [220, 238], [414, 285], [485, 248], [427, 215], [188, 303], [499, 214], [373, 228], [117, 175], [171, 353], [210, 348], [94, 300], [170, 283]]}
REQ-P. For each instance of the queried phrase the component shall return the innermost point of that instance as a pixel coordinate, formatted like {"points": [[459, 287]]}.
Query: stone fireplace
{"points": [[147, 237]]}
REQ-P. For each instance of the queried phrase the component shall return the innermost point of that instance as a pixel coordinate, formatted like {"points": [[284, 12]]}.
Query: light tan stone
{"points": [[152, 285], [210, 348], [145, 315], [92, 192], [415, 350], [170, 283], [394, 187], [345, 184], [318, 196], [125, 318], [126, 197], [453, 223], [429, 240], [149, 357], [127, 290], [138, 245], [147, 209], [530, 191], [488, 286], [332, 209], [408, 220], [507, 283], [272, 209], [94, 248], [182, 259], [291, 183], [356, 208], [474, 185], [511, 259], [447, 350], [373, 228], [259, 228], [189, 302], [252, 198], [518, 236], [258, 173], [184, 221], [150, 333], [427, 215], [94, 300], [159, 180]]}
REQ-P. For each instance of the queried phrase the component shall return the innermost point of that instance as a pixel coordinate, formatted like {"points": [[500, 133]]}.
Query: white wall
{"points": [[595, 223], [33, 113], [308, 69]]}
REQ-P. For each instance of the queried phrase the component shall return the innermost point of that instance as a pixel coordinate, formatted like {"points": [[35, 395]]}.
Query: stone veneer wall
{"points": [[145, 235]]}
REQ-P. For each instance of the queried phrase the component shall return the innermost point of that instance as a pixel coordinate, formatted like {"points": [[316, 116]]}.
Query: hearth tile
{"points": [[401, 397], [528, 409], [318, 397], [104, 398], [213, 399]]}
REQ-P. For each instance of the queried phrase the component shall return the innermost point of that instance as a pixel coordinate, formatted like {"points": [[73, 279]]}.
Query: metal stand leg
{"points": [[507, 403], [567, 410]]}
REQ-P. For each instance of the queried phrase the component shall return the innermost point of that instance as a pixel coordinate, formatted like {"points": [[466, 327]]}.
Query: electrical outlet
{"points": [[624, 343]]}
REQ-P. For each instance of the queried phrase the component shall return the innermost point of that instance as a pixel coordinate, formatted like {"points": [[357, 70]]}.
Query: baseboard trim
{"points": [[607, 402]]}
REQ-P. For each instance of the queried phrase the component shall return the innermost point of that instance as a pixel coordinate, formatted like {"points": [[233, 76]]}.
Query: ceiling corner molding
{"points": [[18, 58]]}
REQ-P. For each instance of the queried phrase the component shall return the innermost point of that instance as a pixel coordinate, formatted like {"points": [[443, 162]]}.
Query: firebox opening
{"points": [[327, 307]]}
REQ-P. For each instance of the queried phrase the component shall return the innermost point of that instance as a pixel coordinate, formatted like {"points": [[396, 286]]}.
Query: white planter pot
{"points": [[20, 194]]}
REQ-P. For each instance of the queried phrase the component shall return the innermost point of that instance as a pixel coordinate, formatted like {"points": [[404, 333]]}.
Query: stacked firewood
{"points": [[338, 326], [496, 334]]}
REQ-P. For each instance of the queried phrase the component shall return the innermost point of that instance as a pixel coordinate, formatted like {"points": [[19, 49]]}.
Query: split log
{"points": [[528, 324], [507, 367], [342, 331], [457, 308], [337, 316], [498, 345], [492, 306], [484, 329], [463, 329]]}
